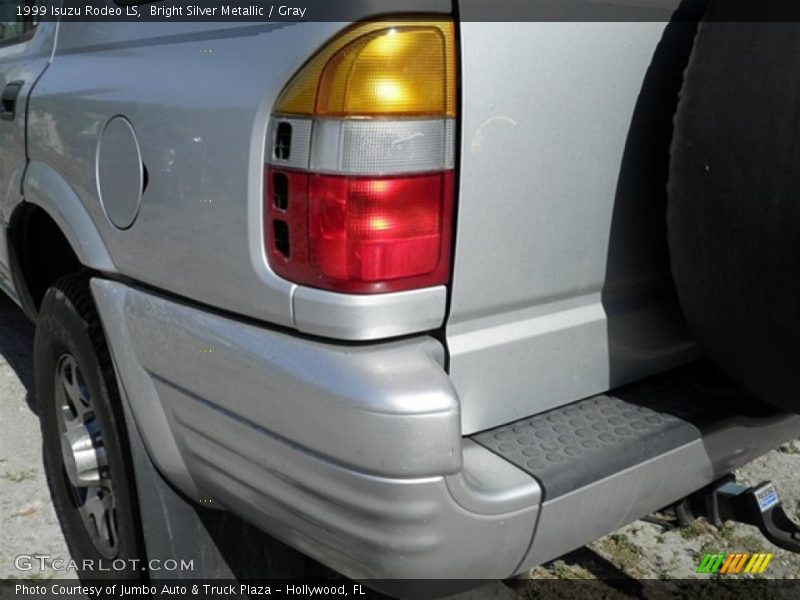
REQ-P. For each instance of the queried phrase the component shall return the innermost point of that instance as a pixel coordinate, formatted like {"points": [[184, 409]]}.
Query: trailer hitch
{"points": [[758, 505]]}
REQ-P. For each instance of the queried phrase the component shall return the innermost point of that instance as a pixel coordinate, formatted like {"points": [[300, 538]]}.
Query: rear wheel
{"points": [[85, 446], [734, 201]]}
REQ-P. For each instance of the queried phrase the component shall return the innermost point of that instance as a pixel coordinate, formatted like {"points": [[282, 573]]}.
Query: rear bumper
{"points": [[354, 454]]}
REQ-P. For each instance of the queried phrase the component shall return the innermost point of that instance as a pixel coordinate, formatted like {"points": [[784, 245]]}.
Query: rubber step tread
{"points": [[575, 445]]}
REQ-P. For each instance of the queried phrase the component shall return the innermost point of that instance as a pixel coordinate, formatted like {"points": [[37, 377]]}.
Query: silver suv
{"points": [[396, 291]]}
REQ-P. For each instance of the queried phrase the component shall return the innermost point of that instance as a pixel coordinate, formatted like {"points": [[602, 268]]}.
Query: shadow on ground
{"points": [[16, 345]]}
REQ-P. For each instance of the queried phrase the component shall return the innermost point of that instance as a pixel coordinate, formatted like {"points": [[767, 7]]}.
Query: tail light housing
{"points": [[359, 184]]}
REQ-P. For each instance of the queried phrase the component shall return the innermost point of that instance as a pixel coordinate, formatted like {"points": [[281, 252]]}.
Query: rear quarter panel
{"points": [[198, 96]]}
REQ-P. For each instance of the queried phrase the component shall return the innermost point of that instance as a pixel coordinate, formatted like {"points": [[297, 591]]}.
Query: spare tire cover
{"points": [[734, 202]]}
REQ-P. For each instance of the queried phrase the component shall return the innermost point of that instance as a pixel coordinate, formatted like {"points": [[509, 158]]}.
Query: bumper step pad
{"points": [[578, 444]]}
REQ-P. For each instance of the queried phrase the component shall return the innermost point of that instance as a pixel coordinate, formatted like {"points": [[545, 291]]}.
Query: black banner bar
{"points": [[353, 10], [731, 587]]}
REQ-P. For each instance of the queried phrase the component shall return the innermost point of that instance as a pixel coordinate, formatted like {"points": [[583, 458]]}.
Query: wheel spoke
{"points": [[67, 373], [69, 419], [99, 508], [82, 393], [78, 405]]}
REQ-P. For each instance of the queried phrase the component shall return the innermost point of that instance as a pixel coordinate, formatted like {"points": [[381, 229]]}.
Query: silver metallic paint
{"points": [[490, 485], [203, 147], [138, 387], [557, 293], [120, 173], [47, 189], [395, 394], [367, 316], [364, 526], [397, 501], [24, 61]]}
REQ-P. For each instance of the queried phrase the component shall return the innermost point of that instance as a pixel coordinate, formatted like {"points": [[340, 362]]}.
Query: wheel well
{"points": [[40, 254]]}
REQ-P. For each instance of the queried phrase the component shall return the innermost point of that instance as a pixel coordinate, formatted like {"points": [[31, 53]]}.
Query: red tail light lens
{"points": [[369, 230], [365, 234]]}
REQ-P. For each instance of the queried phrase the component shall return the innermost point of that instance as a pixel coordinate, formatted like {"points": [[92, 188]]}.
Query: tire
{"points": [[734, 209], [85, 444]]}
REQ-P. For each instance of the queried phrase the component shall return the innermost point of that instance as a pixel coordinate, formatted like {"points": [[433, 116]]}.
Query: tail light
{"points": [[359, 184]]}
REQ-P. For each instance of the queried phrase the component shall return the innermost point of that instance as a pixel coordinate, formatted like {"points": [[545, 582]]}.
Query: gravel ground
{"points": [[641, 550], [28, 522]]}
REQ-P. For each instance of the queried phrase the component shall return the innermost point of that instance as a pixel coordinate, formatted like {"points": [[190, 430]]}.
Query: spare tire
{"points": [[734, 201]]}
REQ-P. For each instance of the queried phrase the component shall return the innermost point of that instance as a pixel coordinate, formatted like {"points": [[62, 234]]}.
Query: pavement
{"points": [[28, 523], [641, 550]]}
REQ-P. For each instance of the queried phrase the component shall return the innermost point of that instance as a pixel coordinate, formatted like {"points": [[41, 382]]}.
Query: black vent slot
{"points": [[281, 234], [280, 191], [283, 141]]}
